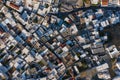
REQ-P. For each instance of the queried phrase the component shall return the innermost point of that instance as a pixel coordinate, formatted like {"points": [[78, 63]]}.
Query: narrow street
{"points": [[60, 14]]}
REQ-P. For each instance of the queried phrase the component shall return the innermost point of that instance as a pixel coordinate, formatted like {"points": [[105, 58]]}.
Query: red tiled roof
{"points": [[14, 6], [104, 2], [62, 45], [29, 39], [1, 31]]}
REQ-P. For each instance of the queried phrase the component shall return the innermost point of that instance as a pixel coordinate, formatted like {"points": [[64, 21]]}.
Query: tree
{"points": [[46, 5], [35, 20]]}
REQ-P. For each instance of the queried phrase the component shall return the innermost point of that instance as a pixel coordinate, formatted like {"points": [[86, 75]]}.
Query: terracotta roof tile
{"points": [[104, 2], [14, 6]]}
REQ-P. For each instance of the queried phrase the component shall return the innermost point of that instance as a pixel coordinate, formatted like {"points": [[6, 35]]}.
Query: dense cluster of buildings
{"points": [[37, 46], [69, 5], [103, 2]]}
